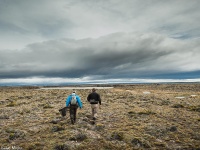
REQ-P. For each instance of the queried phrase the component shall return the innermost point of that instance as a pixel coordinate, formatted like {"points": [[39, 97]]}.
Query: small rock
{"points": [[55, 121], [146, 92], [4, 117], [173, 129], [57, 128], [193, 96], [180, 97]]}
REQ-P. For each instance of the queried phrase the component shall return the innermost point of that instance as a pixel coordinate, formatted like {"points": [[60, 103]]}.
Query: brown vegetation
{"points": [[131, 117]]}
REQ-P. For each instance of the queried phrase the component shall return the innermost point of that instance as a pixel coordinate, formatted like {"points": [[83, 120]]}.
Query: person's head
{"points": [[73, 94], [93, 90]]}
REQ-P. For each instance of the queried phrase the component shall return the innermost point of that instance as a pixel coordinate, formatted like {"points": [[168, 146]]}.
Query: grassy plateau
{"points": [[131, 117]]}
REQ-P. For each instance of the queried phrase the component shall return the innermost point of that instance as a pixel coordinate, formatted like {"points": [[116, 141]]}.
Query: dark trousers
{"points": [[72, 112]]}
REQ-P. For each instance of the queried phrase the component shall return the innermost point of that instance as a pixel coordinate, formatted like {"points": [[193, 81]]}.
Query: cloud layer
{"points": [[107, 39], [23, 22], [119, 55]]}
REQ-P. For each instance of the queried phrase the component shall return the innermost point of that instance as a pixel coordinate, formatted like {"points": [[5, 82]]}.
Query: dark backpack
{"points": [[63, 111]]}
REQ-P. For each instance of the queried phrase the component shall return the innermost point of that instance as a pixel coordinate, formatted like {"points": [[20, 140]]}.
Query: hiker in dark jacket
{"points": [[94, 99], [74, 102]]}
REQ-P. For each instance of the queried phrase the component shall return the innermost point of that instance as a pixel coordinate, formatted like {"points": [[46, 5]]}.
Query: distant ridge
{"points": [[87, 83]]}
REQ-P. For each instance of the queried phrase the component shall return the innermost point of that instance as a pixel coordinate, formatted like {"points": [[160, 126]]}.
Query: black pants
{"points": [[72, 111]]}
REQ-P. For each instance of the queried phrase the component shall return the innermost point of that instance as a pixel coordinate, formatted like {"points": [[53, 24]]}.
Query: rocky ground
{"points": [[151, 116]]}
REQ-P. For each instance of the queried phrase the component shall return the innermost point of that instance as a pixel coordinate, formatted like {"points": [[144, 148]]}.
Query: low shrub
{"points": [[117, 136]]}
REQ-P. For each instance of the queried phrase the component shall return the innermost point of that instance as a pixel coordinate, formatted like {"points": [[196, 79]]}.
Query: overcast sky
{"points": [[99, 40]]}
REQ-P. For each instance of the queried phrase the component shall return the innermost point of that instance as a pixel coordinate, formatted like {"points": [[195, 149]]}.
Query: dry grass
{"points": [[129, 118]]}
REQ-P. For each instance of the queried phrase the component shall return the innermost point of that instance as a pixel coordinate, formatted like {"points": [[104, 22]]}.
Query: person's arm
{"points": [[99, 99], [88, 98], [79, 102], [68, 101]]}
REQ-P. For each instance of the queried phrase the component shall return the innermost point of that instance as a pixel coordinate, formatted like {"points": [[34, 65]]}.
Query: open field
{"points": [[141, 116]]}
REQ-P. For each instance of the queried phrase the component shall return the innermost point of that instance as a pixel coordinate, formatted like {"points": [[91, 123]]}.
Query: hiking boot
{"points": [[72, 121]]}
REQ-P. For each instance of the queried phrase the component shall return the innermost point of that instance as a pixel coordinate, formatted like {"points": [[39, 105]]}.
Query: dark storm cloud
{"points": [[116, 55]]}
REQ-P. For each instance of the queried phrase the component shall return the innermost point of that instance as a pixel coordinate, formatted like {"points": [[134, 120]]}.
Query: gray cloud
{"points": [[24, 22], [114, 55], [100, 39]]}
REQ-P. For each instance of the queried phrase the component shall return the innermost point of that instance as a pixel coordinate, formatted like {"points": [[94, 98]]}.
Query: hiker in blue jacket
{"points": [[74, 101]]}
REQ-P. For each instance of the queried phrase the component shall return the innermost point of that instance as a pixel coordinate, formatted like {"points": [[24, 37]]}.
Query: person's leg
{"points": [[92, 107], [75, 110], [95, 111], [72, 114]]}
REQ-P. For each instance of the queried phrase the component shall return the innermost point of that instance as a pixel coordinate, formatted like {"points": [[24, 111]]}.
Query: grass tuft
{"points": [[12, 104], [195, 108], [117, 136]]}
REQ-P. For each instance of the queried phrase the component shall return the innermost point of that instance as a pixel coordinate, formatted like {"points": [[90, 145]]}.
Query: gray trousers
{"points": [[94, 110]]}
